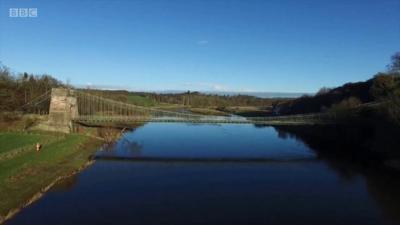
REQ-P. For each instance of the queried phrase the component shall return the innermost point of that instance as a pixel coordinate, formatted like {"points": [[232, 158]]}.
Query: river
{"points": [[218, 174]]}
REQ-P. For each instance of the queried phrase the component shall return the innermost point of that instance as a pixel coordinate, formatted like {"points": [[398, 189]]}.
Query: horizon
{"points": [[258, 94], [205, 46]]}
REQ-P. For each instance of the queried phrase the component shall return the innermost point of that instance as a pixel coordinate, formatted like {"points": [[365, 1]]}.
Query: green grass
{"points": [[10, 141], [140, 100], [26, 174]]}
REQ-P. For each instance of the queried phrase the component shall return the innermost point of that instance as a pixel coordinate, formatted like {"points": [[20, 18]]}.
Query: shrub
{"points": [[383, 86], [109, 134], [393, 109], [29, 122], [343, 109], [9, 117]]}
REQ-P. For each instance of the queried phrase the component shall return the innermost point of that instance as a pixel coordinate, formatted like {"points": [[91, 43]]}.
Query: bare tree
{"points": [[323, 91], [394, 66]]}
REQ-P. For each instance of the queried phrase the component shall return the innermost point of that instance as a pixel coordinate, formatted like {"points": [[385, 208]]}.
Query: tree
{"points": [[324, 90], [349, 103], [343, 109], [393, 108], [394, 66], [18, 89], [383, 86]]}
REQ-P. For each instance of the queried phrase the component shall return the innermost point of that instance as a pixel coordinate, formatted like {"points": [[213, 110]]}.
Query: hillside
{"points": [[187, 99], [379, 87]]}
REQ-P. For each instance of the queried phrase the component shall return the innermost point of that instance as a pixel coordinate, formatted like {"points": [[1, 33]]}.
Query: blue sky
{"points": [[273, 46]]}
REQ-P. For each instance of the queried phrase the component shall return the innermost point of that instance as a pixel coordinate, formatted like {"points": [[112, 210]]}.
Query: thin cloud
{"points": [[90, 85], [203, 86], [206, 86]]}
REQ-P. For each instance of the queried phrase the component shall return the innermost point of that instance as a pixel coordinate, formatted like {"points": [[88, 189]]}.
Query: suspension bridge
{"points": [[70, 106]]}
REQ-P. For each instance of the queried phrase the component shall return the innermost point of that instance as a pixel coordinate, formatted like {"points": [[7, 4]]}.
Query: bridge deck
{"points": [[272, 120]]}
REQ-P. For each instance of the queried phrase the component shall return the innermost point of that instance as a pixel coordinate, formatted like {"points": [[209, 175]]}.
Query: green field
{"points": [[10, 141], [28, 172], [140, 100]]}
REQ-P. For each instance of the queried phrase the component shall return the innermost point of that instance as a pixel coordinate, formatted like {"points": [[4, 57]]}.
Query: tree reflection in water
{"points": [[65, 184], [351, 159], [133, 148]]}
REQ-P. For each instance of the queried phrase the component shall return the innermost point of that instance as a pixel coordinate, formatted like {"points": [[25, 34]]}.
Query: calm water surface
{"points": [[217, 174]]}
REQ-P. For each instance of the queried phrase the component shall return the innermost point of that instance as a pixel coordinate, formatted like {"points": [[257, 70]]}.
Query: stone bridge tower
{"points": [[63, 109]]}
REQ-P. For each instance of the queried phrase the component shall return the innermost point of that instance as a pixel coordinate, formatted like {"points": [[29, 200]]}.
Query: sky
{"points": [[202, 45]]}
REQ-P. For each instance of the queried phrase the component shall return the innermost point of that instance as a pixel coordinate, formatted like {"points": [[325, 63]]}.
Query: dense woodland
{"points": [[16, 90]]}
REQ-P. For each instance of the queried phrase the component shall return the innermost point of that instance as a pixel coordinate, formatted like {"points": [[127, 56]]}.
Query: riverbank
{"points": [[25, 174]]}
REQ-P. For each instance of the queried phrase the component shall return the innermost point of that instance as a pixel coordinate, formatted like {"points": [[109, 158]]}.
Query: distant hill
{"points": [[363, 92], [191, 99], [244, 93]]}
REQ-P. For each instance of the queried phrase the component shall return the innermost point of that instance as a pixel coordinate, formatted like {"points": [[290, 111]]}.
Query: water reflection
{"points": [[124, 148], [383, 184], [206, 142], [307, 182]]}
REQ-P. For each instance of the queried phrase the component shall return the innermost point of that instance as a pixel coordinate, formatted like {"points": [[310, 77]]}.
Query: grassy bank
{"points": [[246, 111], [27, 172]]}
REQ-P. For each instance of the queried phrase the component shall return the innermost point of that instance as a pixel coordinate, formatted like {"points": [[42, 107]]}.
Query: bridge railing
{"points": [[96, 108]]}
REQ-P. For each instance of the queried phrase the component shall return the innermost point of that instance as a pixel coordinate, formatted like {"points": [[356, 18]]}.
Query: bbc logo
{"points": [[23, 12]]}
